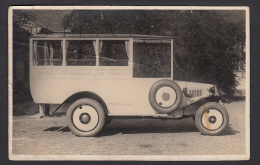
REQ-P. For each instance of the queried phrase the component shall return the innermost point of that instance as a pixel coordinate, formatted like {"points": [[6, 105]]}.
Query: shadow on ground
{"points": [[229, 131], [124, 128], [110, 131], [62, 129]]}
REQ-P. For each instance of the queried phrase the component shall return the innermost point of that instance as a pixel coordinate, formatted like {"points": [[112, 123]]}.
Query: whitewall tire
{"points": [[85, 117]]}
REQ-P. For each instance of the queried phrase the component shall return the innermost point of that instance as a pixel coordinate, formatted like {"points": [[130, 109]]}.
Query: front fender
{"points": [[190, 109]]}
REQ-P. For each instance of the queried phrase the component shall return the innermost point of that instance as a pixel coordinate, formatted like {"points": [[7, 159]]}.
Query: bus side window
{"points": [[114, 53], [152, 60], [47, 53], [81, 53]]}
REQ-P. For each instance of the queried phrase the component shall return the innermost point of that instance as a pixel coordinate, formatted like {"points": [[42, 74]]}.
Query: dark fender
{"points": [[84, 94], [192, 108]]}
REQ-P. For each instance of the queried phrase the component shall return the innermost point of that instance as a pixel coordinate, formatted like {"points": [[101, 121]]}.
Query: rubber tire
{"points": [[158, 85], [99, 109], [200, 112]]}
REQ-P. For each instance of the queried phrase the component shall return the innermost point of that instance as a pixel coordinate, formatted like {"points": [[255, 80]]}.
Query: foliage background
{"points": [[208, 44]]}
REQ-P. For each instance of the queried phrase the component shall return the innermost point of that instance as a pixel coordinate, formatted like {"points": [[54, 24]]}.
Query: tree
{"points": [[211, 45], [20, 56], [207, 45], [89, 22]]}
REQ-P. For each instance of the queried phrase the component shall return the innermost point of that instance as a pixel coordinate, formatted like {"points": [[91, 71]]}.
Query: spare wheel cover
{"points": [[165, 96]]}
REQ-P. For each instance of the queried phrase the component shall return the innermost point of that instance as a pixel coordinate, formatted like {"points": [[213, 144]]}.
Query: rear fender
{"points": [[80, 95]]}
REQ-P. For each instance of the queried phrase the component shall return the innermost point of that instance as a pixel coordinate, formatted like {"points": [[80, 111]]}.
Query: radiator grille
{"points": [[195, 93]]}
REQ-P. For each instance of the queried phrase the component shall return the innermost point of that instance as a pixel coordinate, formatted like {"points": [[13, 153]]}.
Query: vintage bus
{"points": [[96, 78]]}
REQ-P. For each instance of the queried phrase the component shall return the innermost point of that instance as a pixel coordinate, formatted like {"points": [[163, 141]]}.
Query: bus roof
{"points": [[134, 36]]}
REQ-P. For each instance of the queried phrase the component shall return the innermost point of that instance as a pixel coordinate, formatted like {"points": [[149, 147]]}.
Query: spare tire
{"points": [[165, 96]]}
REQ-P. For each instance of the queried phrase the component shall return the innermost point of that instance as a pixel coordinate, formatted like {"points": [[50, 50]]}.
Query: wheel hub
{"points": [[84, 118], [212, 119], [165, 96]]}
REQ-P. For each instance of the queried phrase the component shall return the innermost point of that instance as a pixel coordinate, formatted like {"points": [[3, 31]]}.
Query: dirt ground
{"points": [[51, 136]]}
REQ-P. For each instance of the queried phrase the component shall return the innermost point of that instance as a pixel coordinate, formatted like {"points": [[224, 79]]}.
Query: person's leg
{"points": [[41, 108], [46, 110], [41, 111]]}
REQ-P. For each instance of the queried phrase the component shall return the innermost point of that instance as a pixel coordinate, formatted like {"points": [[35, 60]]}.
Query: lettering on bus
{"points": [[91, 73], [48, 73]]}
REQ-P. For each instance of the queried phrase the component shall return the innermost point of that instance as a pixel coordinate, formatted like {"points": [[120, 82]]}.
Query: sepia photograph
{"points": [[153, 83]]}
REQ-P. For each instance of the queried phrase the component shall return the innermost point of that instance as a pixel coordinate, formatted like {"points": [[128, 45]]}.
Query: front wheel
{"points": [[85, 117], [211, 119]]}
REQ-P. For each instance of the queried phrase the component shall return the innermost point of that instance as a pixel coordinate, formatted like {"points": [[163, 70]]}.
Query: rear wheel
{"points": [[85, 117], [211, 119]]}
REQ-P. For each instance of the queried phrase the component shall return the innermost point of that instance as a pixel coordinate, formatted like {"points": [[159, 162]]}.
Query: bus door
{"points": [[152, 62], [114, 62]]}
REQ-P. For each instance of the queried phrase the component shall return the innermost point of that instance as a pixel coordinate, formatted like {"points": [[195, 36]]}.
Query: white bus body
{"points": [[61, 67]]}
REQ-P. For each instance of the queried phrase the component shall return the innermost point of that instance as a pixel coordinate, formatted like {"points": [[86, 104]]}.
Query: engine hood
{"points": [[195, 89]]}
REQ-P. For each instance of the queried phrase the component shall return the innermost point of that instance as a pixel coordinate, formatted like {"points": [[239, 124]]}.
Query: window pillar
{"points": [[131, 56], [97, 52], [64, 52]]}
